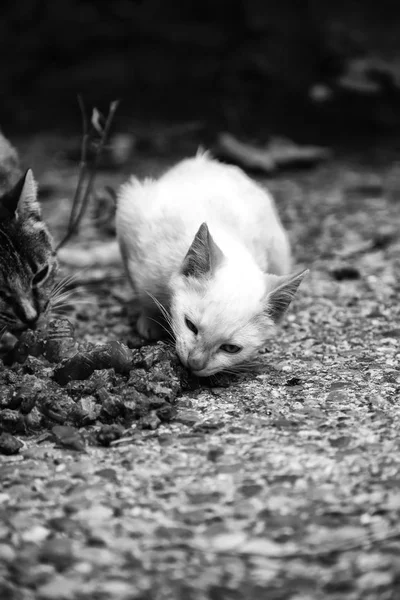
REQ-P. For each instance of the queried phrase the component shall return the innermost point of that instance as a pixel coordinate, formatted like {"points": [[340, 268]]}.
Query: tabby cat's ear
{"points": [[21, 199], [28, 206], [203, 256], [280, 293]]}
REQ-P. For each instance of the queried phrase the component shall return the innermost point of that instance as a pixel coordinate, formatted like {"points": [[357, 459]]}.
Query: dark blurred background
{"points": [[249, 66]]}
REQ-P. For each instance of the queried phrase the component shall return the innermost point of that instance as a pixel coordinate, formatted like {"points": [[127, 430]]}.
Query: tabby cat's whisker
{"points": [[69, 297], [61, 297], [68, 280]]}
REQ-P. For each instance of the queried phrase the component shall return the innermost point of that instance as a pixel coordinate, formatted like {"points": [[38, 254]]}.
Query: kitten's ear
{"points": [[21, 198], [282, 293], [203, 256]]}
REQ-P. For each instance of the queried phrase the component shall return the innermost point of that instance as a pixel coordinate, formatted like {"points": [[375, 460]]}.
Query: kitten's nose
{"points": [[196, 362]]}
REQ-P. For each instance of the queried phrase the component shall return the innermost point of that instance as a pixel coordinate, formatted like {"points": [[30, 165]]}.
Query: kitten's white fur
{"points": [[237, 301]]}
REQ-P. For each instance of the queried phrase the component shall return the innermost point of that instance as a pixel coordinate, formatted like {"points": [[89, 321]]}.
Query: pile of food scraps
{"points": [[51, 382]]}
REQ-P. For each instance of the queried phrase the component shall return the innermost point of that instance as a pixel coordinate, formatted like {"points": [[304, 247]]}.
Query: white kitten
{"points": [[206, 243]]}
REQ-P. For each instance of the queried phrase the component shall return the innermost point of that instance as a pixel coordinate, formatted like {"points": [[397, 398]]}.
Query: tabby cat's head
{"points": [[27, 260]]}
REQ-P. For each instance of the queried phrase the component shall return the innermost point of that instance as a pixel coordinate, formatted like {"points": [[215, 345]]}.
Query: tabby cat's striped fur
{"points": [[27, 259]]}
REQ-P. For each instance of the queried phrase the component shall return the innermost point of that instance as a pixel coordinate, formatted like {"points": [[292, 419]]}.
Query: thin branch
{"points": [[81, 177], [80, 203], [83, 162], [98, 153]]}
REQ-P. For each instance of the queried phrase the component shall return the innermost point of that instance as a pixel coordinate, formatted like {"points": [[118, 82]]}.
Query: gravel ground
{"points": [[281, 484]]}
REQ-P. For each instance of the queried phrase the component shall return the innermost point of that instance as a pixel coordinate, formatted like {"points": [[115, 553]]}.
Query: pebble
{"points": [[187, 417], [7, 554], [59, 588], [117, 589], [58, 552], [375, 580], [36, 535], [9, 444], [12, 421]]}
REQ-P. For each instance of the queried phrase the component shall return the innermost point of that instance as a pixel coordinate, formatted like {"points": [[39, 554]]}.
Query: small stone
{"points": [[107, 473], [95, 516], [108, 434], [293, 381], [112, 355], [34, 420], [391, 333], [69, 437], [36, 535], [57, 406], [7, 554], [227, 542], [38, 574], [251, 489], [89, 410], [35, 366], [345, 272], [214, 453], [9, 444], [59, 588], [166, 412], [150, 421], [58, 552], [210, 424], [12, 421], [165, 439], [6, 396], [118, 590], [337, 396], [375, 580], [112, 407], [30, 343], [187, 417]]}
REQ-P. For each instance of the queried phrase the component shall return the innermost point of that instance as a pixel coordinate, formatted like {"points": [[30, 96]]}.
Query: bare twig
{"points": [[98, 153], [80, 202], [82, 164]]}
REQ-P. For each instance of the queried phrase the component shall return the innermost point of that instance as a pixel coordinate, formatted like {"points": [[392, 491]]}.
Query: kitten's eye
{"points": [[230, 348], [41, 276], [191, 326]]}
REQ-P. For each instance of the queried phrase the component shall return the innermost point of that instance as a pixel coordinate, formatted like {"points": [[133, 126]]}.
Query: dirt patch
{"points": [[281, 484]]}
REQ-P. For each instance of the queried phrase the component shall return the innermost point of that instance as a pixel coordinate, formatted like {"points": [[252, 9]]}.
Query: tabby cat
{"points": [[27, 259]]}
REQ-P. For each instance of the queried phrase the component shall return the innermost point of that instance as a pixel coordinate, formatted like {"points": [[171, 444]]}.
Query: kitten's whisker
{"points": [[162, 326], [161, 307], [229, 371], [2, 331]]}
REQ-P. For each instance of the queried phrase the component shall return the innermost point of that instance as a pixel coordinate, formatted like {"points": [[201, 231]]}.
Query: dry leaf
{"points": [[97, 120]]}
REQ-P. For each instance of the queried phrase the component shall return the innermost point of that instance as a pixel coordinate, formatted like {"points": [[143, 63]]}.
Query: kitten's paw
{"points": [[148, 328]]}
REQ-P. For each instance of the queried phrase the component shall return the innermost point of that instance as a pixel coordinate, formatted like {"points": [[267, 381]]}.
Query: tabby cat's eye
{"points": [[191, 326], [41, 276], [230, 348]]}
